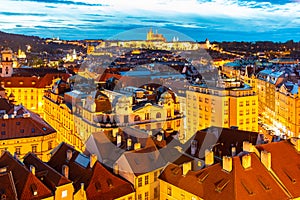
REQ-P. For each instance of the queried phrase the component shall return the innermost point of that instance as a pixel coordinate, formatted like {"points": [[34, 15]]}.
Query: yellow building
{"points": [[23, 131], [287, 109], [141, 168], [106, 110], [27, 85], [229, 104], [59, 113], [267, 81]]}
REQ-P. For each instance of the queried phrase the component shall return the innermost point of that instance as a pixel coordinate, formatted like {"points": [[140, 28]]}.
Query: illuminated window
{"points": [[64, 194], [146, 195], [169, 191], [34, 148], [140, 182], [146, 180]]}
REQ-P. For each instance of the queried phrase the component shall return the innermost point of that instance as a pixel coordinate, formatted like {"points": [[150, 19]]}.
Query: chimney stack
{"points": [[297, 145], [129, 143], [233, 151], [193, 147], [209, 157], [32, 169], [247, 146], [246, 161], [65, 171], [119, 140], [137, 146], [93, 160], [266, 159], [186, 167], [159, 137], [69, 154], [116, 168], [227, 163]]}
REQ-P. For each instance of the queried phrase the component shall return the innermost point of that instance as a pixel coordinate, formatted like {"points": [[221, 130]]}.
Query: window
{"points": [[64, 194], [140, 197], [140, 183], [146, 179], [32, 130], [241, 112], [253, 102], [225, 112], [225, 103], [182, 197], [168, 113], [18, 123], [247, 111], [2, 132], [206, 100], [34, 148], [21, 130], [158, 115], [18, 150], [137, 118], [3, 124], [247, 103], [155, 192], [147, 116], [169, 191], [146, 195], [155, 176], [241, 104]]}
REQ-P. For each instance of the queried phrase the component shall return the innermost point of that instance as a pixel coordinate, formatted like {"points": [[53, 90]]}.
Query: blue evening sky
{"points": [[217, 20]]}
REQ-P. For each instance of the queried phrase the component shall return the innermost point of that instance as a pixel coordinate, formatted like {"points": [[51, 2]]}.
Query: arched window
{"points": [[137, 118], [158, 115]]}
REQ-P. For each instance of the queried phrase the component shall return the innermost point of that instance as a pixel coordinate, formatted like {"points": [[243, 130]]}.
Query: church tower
{"points": [[6, 62]]}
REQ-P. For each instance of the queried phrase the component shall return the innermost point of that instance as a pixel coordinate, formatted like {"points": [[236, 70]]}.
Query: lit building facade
{"points": [[231, 104], [23, 131]]}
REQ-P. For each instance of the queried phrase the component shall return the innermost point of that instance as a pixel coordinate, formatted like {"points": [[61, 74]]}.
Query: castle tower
{"points": [[6, 62]]}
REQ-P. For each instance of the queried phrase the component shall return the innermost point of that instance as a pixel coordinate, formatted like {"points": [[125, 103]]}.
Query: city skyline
{"points": [[217, 20]]}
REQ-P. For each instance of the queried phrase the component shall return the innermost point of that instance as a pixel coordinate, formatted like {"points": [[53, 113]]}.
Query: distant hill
{"points": [[16, 41]]}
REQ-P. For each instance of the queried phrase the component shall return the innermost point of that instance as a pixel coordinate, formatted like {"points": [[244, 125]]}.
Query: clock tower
{"points": [[6, 62]]}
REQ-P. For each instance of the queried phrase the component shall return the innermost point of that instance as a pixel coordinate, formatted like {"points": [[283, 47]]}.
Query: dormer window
{"points": [[34, 189], [8, 82], [21, 82]]}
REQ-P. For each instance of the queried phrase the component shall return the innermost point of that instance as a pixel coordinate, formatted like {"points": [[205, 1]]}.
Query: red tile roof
{"points": [[285, 162], [25, 182], [213, 183], [7, 186], [96, 179], [21, 127], [32, 81], [222, 139], [51, 178]]}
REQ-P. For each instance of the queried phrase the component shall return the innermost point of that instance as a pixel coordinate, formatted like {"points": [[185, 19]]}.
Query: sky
{"points": [[217, 20]]}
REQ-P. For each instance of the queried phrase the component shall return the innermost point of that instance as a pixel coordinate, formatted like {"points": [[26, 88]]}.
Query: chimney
{"points": [[159, 137], [32, 169], [93, 160], [186, 167], [246, 161], [129, 143], [193, 147], [65, 171], [266, 159], [116, 168], [247, 146], [209, 157], [119, 140], [227, 163], [114, 132], [137, 146], [297, 145], [233, 151], [82, 188], [69, 154]]}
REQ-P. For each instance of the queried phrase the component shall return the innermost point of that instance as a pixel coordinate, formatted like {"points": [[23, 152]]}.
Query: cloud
{"points": [[113, 16]]}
